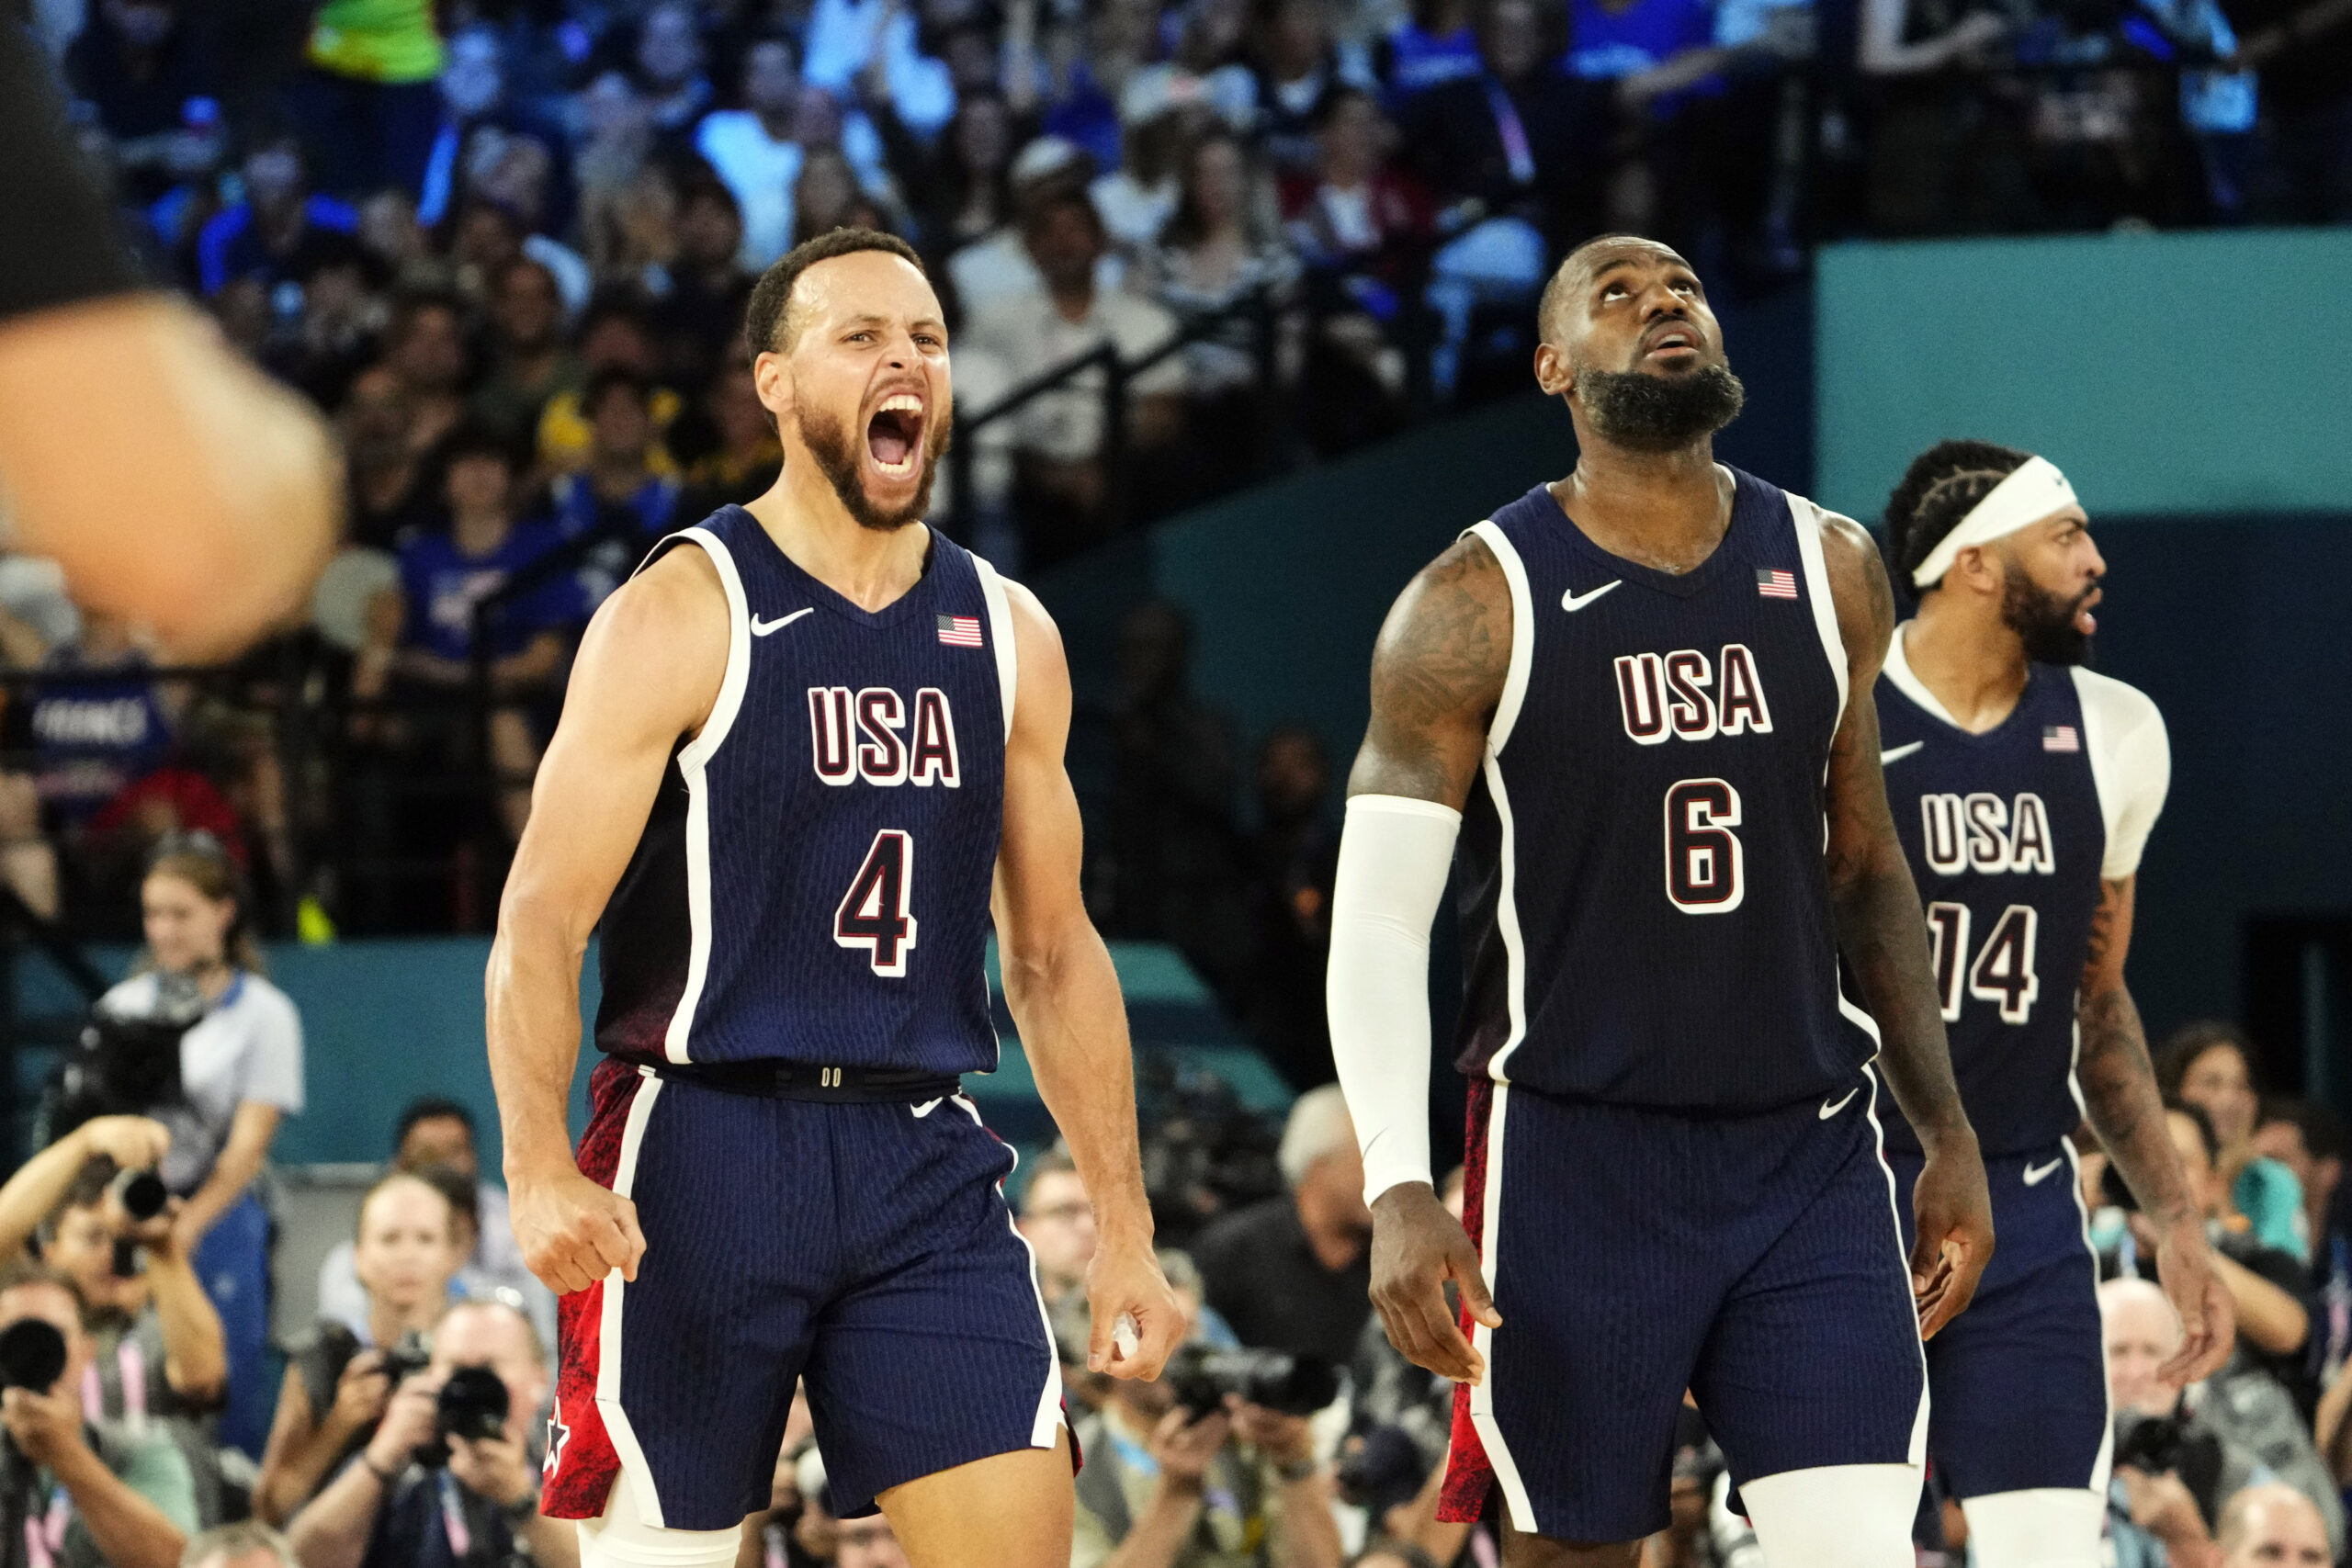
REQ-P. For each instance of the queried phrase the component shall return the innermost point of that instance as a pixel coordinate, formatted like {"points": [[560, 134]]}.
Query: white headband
{"points": [[2032, 493]]}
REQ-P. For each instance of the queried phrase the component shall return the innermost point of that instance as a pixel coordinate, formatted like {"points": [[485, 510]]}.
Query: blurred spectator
{"points": [[1657, 62], [669, 59], [1057, 1222], [2308, 1139], [752, 150], [989, 271], [747, 457], [615, 335], [867, 1543], [2171, 1470], [1223, 249], [369, 100], [1155, 125], [280, 233], [241, 1073], [248, 1543], [151, 78], [1294, 62], [2303, 52], [158, 1355], [2273, 1526], [1944, 154], [1063, 483], [848, 39], [828, 195], [390, 490], [398, 1504], [703, 312], [2264, 1282], [1293, 1272], [1294, 856], [425, 347], [2211, 1065], [101, 1495], [1500, 148], [960, 185], [1433, 42], [1171, 1488], [435, 1133], [422, 639], [530, 360], [619, 491], [615, 135], [336, 1387]]}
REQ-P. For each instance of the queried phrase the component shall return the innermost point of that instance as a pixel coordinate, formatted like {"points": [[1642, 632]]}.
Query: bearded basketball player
{"points": [[1634, 707], [2025, 786], [810, 753]]}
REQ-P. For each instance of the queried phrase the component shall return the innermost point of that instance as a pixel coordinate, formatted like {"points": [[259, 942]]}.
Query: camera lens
{"points": [[32, 1355], [472, 1403], [141, 1194]]}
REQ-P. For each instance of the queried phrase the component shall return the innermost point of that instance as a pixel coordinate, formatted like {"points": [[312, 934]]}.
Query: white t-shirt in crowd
{"points": [[1030, 336], [248, 1046], [761, 172]]}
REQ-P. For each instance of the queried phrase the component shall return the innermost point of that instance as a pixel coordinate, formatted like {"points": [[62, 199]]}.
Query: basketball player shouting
{"points": [[1640, 698], [807, 750], [2024, 788]]}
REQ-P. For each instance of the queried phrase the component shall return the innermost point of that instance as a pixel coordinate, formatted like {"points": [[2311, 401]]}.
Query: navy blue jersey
{"points": [[1645, 915], [812, 883], [2007, 835]]}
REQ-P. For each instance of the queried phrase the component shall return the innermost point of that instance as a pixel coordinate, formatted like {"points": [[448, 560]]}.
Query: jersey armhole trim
{"points": [[739, 647], [1523, 631], [1008, 653], [1808, 520]]}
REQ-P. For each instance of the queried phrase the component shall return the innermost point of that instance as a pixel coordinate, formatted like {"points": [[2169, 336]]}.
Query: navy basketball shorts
{"points": [[1753, 1260], [2020, 1377], [867, 1248]]}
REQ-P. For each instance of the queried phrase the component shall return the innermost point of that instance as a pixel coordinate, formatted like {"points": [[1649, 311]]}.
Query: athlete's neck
{"points": [[1971, 660], [1663, 510], [871, 568]]}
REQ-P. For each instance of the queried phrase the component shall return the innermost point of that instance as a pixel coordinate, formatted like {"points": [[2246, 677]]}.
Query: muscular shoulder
{"points": [[1446, 644], [659, 646], [1857, 583]]}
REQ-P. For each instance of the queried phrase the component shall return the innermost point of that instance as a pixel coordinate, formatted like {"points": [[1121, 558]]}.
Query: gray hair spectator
{"points": [[1291, 1272], [2273, 1525], [248, 1543]]}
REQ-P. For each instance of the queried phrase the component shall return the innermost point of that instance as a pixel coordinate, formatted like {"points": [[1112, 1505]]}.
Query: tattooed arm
{"points": [[1437, 675], [2119, 1086], [1884, 941]]}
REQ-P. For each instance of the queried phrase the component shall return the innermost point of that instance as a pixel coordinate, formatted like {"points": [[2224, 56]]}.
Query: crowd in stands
{"points": [[410, 1421]]}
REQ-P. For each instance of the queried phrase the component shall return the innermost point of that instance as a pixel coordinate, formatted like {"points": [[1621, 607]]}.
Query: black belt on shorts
{"points": [[793, 1080]]}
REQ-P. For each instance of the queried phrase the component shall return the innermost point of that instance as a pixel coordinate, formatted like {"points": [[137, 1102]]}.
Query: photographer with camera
{"points": [[75, 1493], [238, 1072], [450, 1478], [106, 1223], [1212, 1465], [338, 1384]]}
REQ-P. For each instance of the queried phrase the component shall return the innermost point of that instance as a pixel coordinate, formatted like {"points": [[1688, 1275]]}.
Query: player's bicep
{"points": [[648, 671], [2110, 939], [1039, 855], [1438, 673]]}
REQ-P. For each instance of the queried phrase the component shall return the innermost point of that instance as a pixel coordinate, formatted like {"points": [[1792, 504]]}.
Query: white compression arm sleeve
{"points": [[1394, 856]]}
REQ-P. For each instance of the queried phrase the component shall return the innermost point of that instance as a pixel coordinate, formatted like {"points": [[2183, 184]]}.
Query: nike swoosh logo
{"points": [[1572, 601], [2036, 1174], [1899, 753], [761, 628], [1827, 1111]]}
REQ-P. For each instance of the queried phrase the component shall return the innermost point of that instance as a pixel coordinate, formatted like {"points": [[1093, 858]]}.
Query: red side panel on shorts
{"points": [[581, 1464], [1469, 1477]]}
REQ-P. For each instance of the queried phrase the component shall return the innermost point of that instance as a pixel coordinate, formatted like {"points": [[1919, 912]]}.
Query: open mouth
{"points": [[1675, 340], [894, 435], [2084, 622]]}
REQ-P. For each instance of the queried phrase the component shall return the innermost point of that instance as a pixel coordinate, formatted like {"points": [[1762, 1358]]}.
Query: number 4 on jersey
{"points": [[2003, 972], [876, 911]]}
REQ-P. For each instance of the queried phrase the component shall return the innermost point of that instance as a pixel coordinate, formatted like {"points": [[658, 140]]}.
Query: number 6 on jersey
{"points": [[877, 913]]}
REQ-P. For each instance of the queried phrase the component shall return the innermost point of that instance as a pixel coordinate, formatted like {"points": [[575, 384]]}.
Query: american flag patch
{"points": [[2060, 738], [960, 631], [1774, 583]]}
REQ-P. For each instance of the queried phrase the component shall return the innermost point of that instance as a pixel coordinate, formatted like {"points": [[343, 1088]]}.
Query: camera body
{"points": [[1202, 1376]]}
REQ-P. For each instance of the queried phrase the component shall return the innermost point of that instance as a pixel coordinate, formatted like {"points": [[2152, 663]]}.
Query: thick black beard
{"points": [[2044, 622], [839, 457], [1660, 413]]}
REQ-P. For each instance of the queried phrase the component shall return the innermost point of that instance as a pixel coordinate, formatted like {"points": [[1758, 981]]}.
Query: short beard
{"points": [[839, 456], [1660, 413], [2044, 622]]}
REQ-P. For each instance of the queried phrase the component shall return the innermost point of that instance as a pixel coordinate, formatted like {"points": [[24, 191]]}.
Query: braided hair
{"points": [[1943, 485]]}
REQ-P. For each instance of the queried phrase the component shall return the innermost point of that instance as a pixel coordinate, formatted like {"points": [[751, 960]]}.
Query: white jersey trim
{"points": [[635, 1472], [1898, 670], [1008, 653], [693, 763], [1044, 1427], [2130, 757], [1482, 1338], [1523, 632], [1917, 1454], [1810, 520]]}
